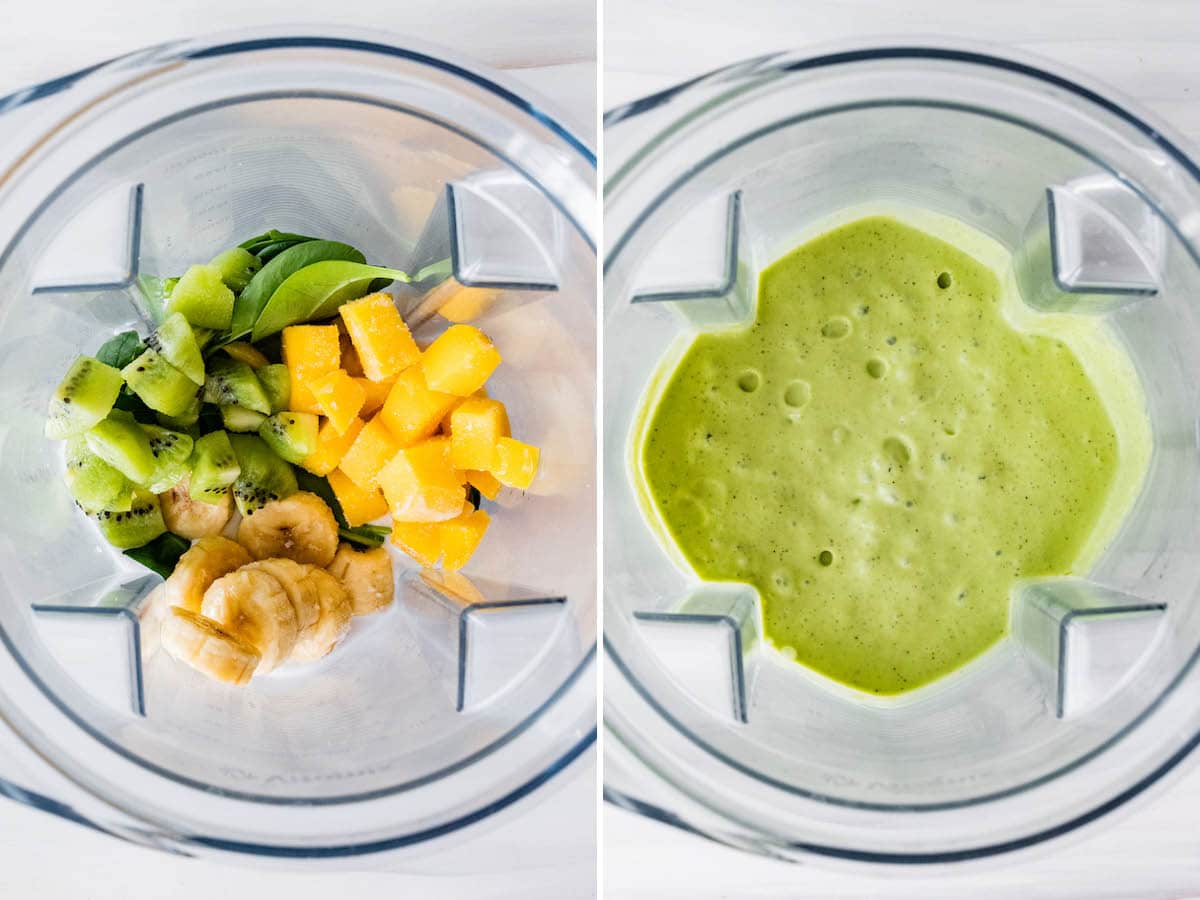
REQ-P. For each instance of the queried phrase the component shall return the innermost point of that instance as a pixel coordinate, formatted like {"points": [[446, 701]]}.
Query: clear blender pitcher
{"points": [[434, 718], [1093, 697]]}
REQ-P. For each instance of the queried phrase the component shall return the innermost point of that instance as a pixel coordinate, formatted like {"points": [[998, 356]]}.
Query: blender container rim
{"points": [[526, 101], [755, 72]]}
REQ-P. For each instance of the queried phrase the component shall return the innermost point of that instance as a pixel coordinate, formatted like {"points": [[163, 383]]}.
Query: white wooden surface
{"points": [[549, 44], [1149, 51]]}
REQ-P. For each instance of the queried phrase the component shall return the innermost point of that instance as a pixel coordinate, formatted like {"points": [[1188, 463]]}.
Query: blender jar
{"points": [[1093, 696], [474, 688]]}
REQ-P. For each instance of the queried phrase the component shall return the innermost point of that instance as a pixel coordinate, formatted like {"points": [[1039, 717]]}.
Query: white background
{"points": [[550, 44], [1148, 50]]}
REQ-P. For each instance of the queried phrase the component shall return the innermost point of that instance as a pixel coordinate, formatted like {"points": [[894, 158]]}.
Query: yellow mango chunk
{"points": [[358, 506], [412, 411], [247, 353], [464, 304], [421, 541], [331, 447], [377, 392], [459, 361], [383, 342], [340, 398], [453, 585], [461, 536], [475, 426], [309, 351], [371, 451], [349, 355], [484, 482], [516, 463], [421, 485]]}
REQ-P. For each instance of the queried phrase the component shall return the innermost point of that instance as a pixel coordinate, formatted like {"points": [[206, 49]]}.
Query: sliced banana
{"points": [[207, 647], [300, 527], [367, 577], [206, 561], [331, 627], [301, 590], [253, 605], [192, 518]]}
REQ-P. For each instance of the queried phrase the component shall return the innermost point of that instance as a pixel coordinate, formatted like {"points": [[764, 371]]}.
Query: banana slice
{"points": [[300, 527], [192, 518], [367, 577], [207, 647], [254, 606], [331, 627], [301, 590], [206, 561]]}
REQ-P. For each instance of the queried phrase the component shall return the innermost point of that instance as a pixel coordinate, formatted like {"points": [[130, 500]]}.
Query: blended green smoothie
{"points": [[882, 454]]}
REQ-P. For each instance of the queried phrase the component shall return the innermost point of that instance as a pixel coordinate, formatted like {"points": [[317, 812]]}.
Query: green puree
{"points": [[882, 454]]}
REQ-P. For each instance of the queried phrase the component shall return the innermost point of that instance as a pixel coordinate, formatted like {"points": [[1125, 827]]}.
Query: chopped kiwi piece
{"points": [[276, 382], [264, 476], [161, 386], [185, 419], [123, 444], [293, 435], [203, 298], [214, 468], [237, 267], [240, 419], [172, 450], [93, 483], [176, 341], [83, 398], [138, 525], [231, 382]]}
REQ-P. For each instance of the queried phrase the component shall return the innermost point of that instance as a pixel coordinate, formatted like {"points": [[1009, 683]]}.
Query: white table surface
{"points": [[549, 44], [1150, 51]]}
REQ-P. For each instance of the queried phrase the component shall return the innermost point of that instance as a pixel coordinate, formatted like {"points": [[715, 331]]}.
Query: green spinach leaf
{"points": [[248, 306], [121, 350], [260, 242], [365, 535], [161, 554], [316, 291]]}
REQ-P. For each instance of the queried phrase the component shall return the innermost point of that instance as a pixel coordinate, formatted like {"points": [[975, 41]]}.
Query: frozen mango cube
{"points": [[331, 447], [420, 540], [412, 411], [371, 451], [484, 482], [383, 342], [458, 303], [309, 351], [461, 536], [475, 426], [377, 392], [340, 398], [460, 361], [421, 485], [358, 506], [349, 355], [516, 463]]}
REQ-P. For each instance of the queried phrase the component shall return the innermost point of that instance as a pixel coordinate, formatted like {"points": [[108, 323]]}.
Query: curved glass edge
{"points": [[873, 856], [342, 39], [783, 63]]}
